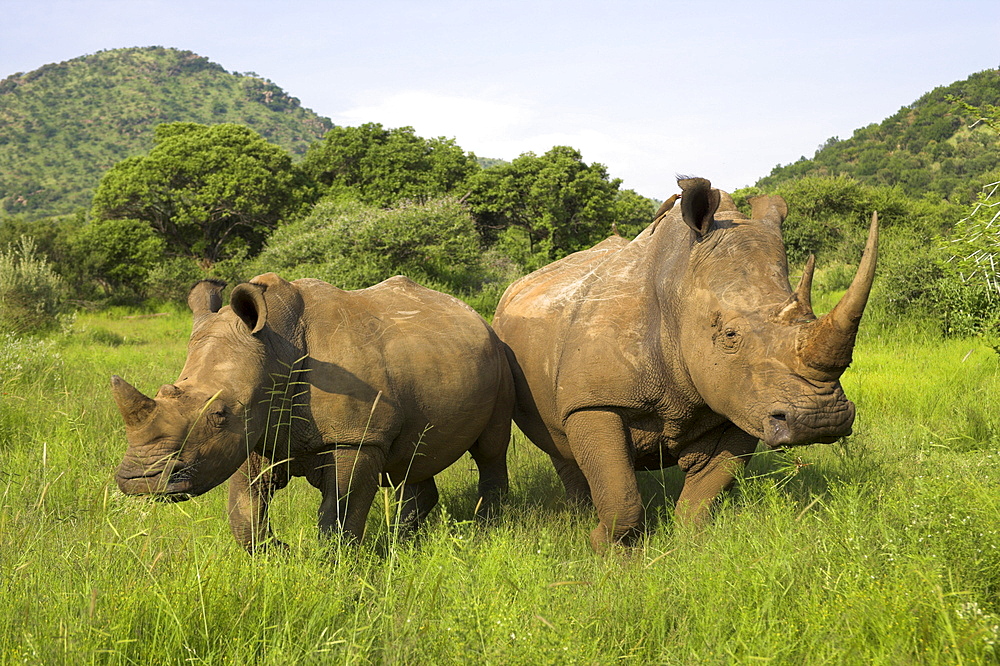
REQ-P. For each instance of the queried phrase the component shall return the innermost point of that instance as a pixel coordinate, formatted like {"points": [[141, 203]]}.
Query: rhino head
{"points": [[194, 434], [753, 348]]}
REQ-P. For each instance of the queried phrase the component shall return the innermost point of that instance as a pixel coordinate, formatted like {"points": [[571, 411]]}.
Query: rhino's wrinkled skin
{"points": [[682, 347], [388, 384]]}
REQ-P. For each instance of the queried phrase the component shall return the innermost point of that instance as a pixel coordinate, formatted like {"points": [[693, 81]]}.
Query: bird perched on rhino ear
{"points": [[664, 209]]}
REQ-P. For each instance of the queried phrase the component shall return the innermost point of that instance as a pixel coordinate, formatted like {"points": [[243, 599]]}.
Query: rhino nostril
{"points": [[777, 428]]}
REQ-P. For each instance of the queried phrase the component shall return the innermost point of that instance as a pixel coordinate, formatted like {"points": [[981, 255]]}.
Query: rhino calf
{"points": [[683, 347], [389, 384]]}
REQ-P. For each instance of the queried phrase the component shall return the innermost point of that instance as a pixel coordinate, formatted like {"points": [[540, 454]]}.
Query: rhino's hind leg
{"points": [[250, 492], [490, 454], [601, 449], [415, 503]]}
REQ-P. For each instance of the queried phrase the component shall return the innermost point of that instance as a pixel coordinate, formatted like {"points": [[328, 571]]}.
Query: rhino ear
{"points": [[247, 301], [205, 297], [698, 203], [771, 209]]}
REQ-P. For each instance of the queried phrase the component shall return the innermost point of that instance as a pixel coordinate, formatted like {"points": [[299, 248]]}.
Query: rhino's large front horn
{"points": [[828, 344], [134, 406]]}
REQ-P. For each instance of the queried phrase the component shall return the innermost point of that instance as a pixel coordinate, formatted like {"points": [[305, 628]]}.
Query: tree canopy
{"points": [[541, 208], [383, 167], [208, 191]]}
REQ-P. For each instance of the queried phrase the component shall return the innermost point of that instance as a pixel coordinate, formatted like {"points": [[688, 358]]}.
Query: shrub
{"points": [[354, 245], [119, 255], [968, 292], [31, 293]]}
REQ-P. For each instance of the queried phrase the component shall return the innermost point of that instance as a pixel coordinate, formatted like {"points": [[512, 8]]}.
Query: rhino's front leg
{"points": [[603, 453], [709, 469], [349, 481], [574, 481], [250, 492]]}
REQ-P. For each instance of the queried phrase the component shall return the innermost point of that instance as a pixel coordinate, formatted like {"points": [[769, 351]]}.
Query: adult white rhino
{"points": [[682, 347], [392, 383]]}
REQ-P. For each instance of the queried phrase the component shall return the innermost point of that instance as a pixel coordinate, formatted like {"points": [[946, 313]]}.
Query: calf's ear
{"points": [[247, 301], [771, 209], [205, 297]]}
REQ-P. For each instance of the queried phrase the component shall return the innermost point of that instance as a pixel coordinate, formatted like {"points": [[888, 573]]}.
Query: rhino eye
{"points": [[729, 340], [217, 417]]}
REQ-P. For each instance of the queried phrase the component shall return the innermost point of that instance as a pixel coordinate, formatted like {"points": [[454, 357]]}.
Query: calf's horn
{"points": [[798, 307], [134, 406], [828, 344]]}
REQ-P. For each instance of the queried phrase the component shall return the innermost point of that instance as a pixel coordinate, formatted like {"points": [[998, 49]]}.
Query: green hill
{"points": [[63, 125], [926, 147]]}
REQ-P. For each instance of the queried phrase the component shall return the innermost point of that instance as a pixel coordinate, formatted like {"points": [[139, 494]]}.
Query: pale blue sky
{"points": [[725, 90]]}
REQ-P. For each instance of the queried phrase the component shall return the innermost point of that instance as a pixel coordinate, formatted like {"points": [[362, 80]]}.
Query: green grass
{"points": [[882, 549]]}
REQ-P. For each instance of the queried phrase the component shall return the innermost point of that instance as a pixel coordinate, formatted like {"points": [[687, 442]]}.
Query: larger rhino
{"points": [[682, 347], [392, 383]]}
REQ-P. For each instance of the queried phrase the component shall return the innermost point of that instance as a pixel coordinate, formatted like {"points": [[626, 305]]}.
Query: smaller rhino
{"points": [[389, 384]]}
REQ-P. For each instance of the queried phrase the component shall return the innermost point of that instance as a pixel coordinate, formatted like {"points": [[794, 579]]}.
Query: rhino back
{"points": [[601, 317], [398, 362]]}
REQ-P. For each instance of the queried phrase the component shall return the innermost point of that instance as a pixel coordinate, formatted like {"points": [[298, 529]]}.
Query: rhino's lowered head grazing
{"points": [[193, 434], [756, 352]]}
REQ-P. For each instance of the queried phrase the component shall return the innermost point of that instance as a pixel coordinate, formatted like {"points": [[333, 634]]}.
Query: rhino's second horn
{"points": [[828, 344]]}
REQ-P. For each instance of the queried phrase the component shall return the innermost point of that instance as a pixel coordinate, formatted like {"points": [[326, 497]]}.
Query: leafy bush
{"points": [[966, 308], [119, 255], [968, 292], [31, 293], [171, 279], [353, 245]]}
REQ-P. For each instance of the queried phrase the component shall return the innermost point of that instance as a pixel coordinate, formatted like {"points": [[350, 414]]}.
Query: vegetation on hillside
{"points": [[224, 200], [932, 146], [63, 125], [372, 202]]}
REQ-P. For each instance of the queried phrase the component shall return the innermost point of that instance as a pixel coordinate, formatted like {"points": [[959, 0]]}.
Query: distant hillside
{"points": [[925, 147], [64, 124]]}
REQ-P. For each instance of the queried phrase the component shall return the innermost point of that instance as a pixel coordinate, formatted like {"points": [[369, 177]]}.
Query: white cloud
{"points": [[477, 124]]}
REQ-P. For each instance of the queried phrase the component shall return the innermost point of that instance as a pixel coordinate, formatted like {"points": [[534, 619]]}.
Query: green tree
{"points": [[537, 209], [209, 191], [985, 113], [119, 255], [383, 167]]}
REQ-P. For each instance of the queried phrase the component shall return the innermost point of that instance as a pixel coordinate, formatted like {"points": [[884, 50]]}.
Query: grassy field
{"points": [[882, 549]]}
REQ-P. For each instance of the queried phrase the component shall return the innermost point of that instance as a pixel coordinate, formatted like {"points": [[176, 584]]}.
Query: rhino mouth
{"points": [[785, 428], [172, 483]]}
